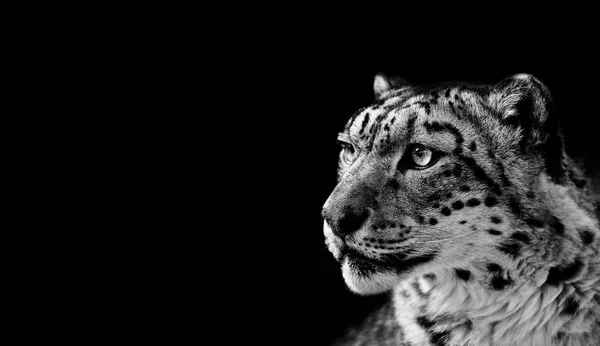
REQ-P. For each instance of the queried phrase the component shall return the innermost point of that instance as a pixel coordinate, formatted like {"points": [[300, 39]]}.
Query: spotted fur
{"points": [[495, 243]]}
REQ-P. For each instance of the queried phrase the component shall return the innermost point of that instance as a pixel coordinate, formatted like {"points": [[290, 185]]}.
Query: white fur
{"points": [[405, 312], [373, 284]]}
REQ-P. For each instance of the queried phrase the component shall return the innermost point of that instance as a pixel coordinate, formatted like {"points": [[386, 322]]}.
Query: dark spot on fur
{"points": [[463, 222], [468, 325], [424, 322], [587, 237], [512, 249], [449, 195], [418, 289], [440, 338], [522, 237], [433, 221], [499, 282], [436, 205], [534, 223], [473, 202], [429, 276], [563, 273], [457, 171], [446, 211], [392, 183], [447, 173], [420, 218], [493, 267], [530, 194], [503, 176], [514, 206], [473, 146], [433, 197], [465, 188], [364, 123], [451, 104], [571, 307], [447, 94], [494, 232], [481, 175], [558, 226], [458, 205], [426, 106], [490, 201], [436, 338], [463, 274], [496, 219]]}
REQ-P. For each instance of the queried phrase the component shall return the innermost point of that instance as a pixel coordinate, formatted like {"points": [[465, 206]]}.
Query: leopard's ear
{"points": [[522, 100], [383, 84], [524, 103]]}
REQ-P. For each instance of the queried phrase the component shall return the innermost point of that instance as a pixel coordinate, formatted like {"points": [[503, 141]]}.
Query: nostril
{"points": [[352, 221]]}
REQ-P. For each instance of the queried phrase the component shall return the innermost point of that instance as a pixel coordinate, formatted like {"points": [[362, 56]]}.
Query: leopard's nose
{"points": [[351, 221]]}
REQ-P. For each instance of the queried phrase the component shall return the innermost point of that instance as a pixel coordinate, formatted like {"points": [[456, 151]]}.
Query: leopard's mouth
{"points": [[363, 264], [365, 275]]}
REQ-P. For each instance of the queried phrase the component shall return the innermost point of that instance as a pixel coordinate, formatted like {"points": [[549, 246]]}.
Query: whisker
{"points": [[393, 254], [429, 228], [445, 239]]}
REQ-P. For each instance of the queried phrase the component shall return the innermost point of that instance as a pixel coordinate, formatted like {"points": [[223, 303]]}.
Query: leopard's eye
{"points": [[348, 154], [422, 157]]}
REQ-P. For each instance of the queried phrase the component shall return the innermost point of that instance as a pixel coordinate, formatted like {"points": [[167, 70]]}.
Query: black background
{"points": [[279, 103], [298, 108]]}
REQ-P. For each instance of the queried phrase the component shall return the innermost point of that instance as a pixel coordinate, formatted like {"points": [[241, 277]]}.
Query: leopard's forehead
{"points": [[380, 126]]}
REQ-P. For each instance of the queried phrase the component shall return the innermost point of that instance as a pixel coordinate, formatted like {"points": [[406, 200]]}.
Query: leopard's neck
{"points": [[549, 296]]}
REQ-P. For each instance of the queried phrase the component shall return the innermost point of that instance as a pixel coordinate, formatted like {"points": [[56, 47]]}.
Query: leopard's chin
{"points": [[366, 277]]}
